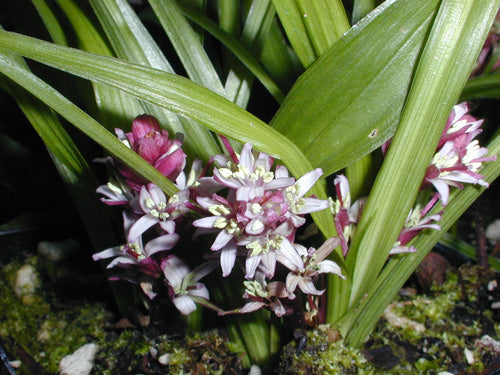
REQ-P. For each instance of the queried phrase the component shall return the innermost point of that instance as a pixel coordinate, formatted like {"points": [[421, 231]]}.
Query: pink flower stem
{"points": [[229, 148], [429, 205]]}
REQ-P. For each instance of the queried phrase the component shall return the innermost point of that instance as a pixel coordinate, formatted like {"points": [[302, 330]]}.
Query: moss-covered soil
{"points": [[37, 330], [452, 328]]}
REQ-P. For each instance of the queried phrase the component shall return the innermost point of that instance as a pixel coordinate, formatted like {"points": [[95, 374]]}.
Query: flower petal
{"points": [[307, 181], [140, 226], [174, 270], [161, 243], [227, 258], [184, 304]]}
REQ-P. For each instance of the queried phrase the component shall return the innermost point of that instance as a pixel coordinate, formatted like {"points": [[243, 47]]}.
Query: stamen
{"points": [[220, 223], [149, 203], [115, 189]]}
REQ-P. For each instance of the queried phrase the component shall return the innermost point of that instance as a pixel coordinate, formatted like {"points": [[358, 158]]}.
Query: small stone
{"points": [[255, 370], [489, 343], [407, 292], [164, 359], [153, 352], [56, 251], [432, 270], [402, 321], [80, 362], [493, 231], [495, 305], [382, 357], [27, 281], [15, 364], [492, 285], [469, 356]]}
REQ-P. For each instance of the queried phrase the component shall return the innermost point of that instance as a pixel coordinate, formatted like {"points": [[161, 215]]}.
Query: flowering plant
{"points": [[297, 216]]}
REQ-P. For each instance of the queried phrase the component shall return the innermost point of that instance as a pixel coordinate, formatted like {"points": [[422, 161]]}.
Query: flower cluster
{"points": [[154, 146], [459, 157], [347, 216], [248, 211], [251, 207], [457, 160]]}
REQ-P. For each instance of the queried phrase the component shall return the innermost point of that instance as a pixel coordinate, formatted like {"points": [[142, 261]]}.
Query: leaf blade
{"points": [[351, 105]]}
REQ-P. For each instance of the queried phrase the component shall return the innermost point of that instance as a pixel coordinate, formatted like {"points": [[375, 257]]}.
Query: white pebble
{"points": [[493, 231], [164, 359], [16, 363], [80, 362], [469, 356], [492, 285], [26, 281], [488, 342], [255, 370], [495, 305], [56, 251]]}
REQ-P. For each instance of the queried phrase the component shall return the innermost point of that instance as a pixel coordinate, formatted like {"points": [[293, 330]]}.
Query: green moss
{"points": [[423, 334], [39, 329], [48, 330]]}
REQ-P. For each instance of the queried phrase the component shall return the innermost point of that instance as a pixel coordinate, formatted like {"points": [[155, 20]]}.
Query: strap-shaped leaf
{"points": [[132, 42], [311, 26], [487, 86], [457, 35], [361, 8], [71, 165], [187, 45], [50, 21], [362, 317], [114, 106], [177, 94], [242, 53], [349, 102], [84, 122]]}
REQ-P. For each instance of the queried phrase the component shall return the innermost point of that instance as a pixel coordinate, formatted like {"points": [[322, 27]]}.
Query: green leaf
{"points": [[349, 102], [71, 165], [49, 19], [114, 106], [177, 94], [296, 31], [243, 54], [132, 42], [279, 59], [457, 35], [487, 86], [187, 45], [84, 122], [311, 26], [325, 21], [457, 245], [361, 318], [361, 8]]}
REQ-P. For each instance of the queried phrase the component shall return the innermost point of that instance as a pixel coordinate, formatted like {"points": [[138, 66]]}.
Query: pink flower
{"points": [[134, 254], [416, 221], [153, 145], [346, 216], [116, 193], [262, 294], [252, 176], [157, 209], [459, 157], [459, 122], [261, 211], [308, 265], [184, 288]]}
